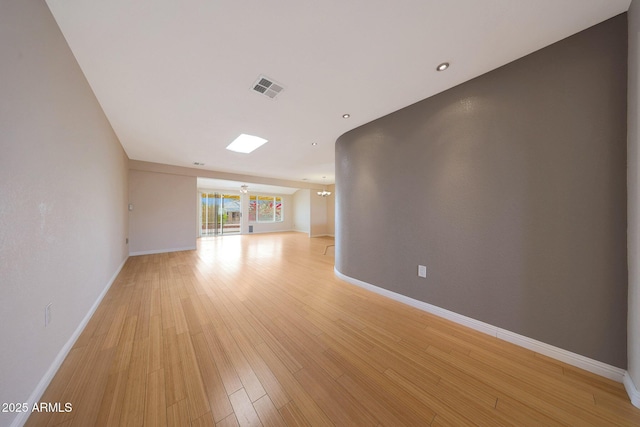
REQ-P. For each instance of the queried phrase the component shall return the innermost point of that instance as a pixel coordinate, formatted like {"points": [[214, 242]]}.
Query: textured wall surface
{"points": [[63, 198], [634, 193], [511, 189]]}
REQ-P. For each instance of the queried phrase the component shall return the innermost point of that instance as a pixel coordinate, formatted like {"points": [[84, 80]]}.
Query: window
{"points": [[265, 209], [252, 208], [219, 214]]}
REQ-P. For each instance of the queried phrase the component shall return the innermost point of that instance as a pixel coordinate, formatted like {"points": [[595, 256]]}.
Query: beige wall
{"points": [[164, 215], [633, 200], [318, 217], [63, 195], [310, 213], [302, 211], [203, 173], [331, 211]]}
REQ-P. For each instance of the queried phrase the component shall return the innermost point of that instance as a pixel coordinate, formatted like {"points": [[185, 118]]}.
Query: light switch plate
{"points": [[422, 271], [47, 314]]}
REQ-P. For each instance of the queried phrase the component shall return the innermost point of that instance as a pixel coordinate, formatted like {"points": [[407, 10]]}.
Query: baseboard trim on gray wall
{"points": [[162, 251], [22, 417], [574, 359], [632, 390]]}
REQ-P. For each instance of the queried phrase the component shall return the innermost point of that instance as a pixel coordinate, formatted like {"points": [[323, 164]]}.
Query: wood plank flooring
{"points": [[257, 330]]}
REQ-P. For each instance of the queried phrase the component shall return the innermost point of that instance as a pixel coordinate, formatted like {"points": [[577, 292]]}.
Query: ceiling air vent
{"points": [[267, 87]]}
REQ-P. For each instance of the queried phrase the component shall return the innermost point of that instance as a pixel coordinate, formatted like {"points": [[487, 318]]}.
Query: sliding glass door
{"points": [[219, 214]]}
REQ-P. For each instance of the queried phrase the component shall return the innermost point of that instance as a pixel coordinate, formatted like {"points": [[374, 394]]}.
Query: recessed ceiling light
{"points": [[246, 143], [442, 66], [346, 116], [314, 143], [198, 164]]}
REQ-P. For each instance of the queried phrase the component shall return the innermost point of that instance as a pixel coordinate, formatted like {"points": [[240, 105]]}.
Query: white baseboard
{"points": [[574, 359], [162, 251], [270, 231], [22, 417], [632, 390]]}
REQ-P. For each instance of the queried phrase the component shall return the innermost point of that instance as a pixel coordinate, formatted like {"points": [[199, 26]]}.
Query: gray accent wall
{"points": [[633, 212], [511, 189]]}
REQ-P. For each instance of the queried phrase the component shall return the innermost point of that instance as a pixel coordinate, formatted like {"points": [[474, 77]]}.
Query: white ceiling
{"points": [[174, 77], [234, 186]]}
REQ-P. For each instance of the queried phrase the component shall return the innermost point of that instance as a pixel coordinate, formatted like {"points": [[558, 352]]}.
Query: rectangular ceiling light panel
{"points": [[246, 143]]}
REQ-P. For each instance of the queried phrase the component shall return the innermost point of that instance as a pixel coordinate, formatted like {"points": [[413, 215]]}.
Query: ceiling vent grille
{"points": [[267, 87]]}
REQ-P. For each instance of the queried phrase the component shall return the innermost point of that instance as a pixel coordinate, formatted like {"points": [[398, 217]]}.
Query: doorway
{"points": [[219, 214]]}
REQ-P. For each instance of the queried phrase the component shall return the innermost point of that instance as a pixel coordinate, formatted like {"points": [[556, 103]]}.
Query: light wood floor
{"points": [[257, 330]]}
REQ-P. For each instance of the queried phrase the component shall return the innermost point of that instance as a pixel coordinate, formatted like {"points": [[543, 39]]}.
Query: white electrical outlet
{"points": [[422, 271], [47, 314]]}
